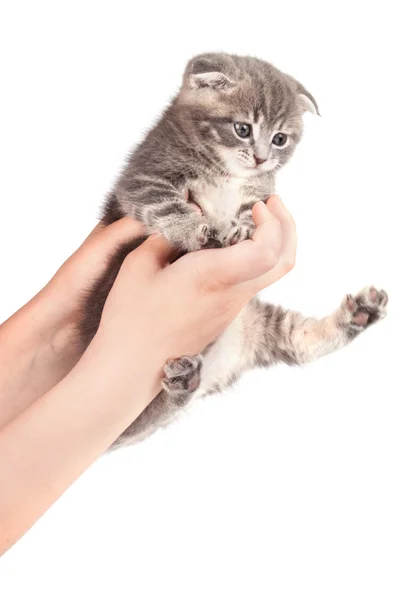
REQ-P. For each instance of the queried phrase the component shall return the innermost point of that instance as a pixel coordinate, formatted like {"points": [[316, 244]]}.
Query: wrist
{"points": [[122, 355], [38, 327], [37, 351], [131, 377]]}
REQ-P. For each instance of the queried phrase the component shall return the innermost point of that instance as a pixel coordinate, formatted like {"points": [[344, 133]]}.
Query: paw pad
{"points": [[365, 308], [182, 375]]}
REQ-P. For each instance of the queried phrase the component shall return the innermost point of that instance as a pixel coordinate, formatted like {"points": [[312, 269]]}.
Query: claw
{"points": [[203, 235]]}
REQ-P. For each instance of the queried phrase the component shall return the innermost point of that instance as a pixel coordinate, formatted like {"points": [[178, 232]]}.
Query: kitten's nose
{"points": [[259, 161]]}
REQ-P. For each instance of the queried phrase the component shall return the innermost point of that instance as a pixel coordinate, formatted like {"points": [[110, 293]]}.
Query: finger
{"points": [[105, 238], [261, 213], [286, 260], [90, 258], [289, 234], [242, 262], [282, 268], [156, 252], [99, 227], [120, 231], [266, 223], [279, 210]]}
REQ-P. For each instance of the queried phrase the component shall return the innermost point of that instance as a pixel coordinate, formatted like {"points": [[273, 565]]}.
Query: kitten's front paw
{"points": [[202, 234], [238, 233], [360, 311], [182, 375], [197, 237], [219, 236]]}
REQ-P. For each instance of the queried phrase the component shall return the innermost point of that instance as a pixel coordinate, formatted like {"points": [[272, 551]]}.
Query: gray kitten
{"points": [[194, 179]]}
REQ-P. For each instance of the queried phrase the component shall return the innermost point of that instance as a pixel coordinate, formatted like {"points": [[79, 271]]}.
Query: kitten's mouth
{"points": [[269, 165]]}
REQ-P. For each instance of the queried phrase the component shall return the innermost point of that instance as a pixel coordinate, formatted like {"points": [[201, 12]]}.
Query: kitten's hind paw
{"points": [[360, 311], [182, 375]]}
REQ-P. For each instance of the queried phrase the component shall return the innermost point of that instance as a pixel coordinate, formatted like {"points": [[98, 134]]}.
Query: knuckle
{"points": [[202, 280], [207, 277]]}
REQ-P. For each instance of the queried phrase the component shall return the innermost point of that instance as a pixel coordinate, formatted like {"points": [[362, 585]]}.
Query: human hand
{"points": [[169, 309]]}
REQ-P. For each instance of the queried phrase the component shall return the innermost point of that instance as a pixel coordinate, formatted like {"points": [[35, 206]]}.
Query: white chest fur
{"points": [[221, 199], [225, 358]]}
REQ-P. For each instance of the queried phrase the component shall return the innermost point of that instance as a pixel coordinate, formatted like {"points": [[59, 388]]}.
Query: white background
{"points": [[286, 487]]}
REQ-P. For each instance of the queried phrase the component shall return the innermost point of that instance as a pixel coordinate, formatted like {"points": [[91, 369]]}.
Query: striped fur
{"points": [[194, 180], [261, 336]]}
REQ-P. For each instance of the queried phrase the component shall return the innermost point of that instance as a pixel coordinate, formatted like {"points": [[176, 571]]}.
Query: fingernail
{"points": [[276, 196], [262, 205]]}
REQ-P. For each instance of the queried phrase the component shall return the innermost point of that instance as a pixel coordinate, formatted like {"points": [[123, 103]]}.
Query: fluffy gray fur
{"points": [[194, 179]]}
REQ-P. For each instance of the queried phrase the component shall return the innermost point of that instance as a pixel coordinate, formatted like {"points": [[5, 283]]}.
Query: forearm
{"points": [[45, 449], [155, 311], [38, 343], [37, 349]]}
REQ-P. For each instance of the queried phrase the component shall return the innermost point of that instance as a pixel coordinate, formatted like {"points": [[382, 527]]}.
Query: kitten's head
{"points": [[246, 110]]}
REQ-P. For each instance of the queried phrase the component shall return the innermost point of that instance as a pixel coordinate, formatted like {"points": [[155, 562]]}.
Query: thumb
{"points": [[280, 212]]}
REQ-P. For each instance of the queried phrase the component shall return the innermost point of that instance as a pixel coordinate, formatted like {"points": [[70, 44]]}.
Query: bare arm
{"points": [[151, 315], [38, 343]]}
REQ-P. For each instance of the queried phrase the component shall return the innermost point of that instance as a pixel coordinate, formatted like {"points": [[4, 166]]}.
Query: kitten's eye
{"points": [[279, 139], [243, 130]]}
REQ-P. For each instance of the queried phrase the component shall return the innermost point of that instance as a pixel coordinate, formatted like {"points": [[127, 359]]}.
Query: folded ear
{"points": [[214, 71], [213, 79], [306, 100]]}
